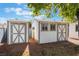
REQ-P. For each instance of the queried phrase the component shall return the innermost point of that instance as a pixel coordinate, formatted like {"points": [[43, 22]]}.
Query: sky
{"points": [[9, 11]]}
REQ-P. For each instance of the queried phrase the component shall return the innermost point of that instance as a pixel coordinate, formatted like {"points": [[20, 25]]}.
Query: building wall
{"points": [[48, 36], [27, 32], [72, 31], [3, 33], [67, 31], [3, 38], [8, 32], [35, 30]]}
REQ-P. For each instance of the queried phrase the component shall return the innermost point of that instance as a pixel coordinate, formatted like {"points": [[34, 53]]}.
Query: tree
{"points": [[37, 7], [66, 10]]}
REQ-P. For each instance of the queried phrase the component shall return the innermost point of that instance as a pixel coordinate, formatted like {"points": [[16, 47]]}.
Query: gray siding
{"points": [[3, 35]]}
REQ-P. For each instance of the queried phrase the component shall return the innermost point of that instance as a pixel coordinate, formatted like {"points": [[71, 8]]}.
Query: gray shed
{"points": [[3, 33]]}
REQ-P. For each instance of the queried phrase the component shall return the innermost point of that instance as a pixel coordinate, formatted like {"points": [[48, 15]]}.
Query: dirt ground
{"points": [[64, 48]]}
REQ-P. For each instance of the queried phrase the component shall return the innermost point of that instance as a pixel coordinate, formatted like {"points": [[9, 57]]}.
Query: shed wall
{"points": [[48, 36], [35, 30], [3, 33], [72, 31]]}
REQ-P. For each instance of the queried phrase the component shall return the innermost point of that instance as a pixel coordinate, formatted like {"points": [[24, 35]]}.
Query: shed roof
{"points": [[51, 21], [18, 21]]}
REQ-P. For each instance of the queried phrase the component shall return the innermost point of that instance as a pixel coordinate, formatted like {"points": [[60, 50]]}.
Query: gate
{"points": [[18, 32], [62, 32]]}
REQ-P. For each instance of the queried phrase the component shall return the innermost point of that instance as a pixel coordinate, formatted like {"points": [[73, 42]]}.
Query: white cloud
{"points": [[18, 11], [7, 10], [18, 3], [13, 9], [24, 13], [40, 17], [3, 20]]}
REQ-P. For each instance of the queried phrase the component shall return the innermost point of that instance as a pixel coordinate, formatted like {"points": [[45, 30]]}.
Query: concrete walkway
{"points": [[74, 41]]}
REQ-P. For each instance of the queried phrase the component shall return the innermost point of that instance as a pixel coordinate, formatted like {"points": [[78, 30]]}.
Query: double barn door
{"points": [[18, 33]]}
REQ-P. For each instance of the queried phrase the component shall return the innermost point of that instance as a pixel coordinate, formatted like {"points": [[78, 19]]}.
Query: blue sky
{"points": [[18, 11]]}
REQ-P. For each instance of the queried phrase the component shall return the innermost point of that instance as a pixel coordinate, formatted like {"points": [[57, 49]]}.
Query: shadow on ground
{"points": [[54, 49], [34, 49]]}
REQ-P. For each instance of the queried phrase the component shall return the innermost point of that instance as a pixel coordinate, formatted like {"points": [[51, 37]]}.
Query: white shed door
{"points": [[62, 29], [18, 33]]}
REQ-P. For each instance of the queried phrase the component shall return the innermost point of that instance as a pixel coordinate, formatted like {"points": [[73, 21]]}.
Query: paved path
{"points": [[74, 41]]}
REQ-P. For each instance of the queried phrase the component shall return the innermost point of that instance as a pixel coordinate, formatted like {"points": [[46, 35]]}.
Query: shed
{"points": [[46, 31], [18, 31], [73, 30], [3, 33]]}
